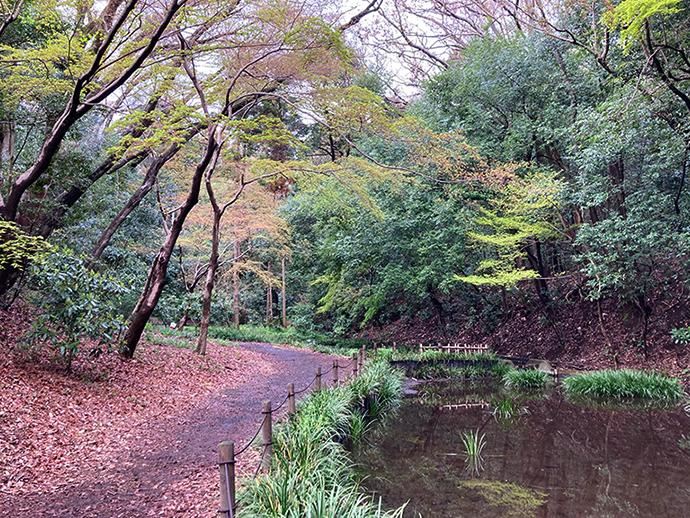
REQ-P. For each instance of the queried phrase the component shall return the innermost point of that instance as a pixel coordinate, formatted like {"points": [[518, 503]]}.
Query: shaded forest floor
{"points": [[131, 439]]}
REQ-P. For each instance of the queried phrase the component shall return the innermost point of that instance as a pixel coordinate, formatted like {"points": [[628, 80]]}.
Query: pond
{"points": [[541, 457]]}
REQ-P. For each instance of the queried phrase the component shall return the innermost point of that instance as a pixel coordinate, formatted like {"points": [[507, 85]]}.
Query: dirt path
{"points": [[169, 467]]}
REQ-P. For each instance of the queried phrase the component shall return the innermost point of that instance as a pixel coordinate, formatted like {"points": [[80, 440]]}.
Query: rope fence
{"points": [[226, 450]]}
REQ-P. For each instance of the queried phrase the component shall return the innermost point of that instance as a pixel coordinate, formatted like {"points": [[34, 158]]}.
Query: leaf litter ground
{"points": [[137, 438]]}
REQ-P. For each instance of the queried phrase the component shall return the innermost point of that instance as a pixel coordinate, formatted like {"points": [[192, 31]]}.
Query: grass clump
{"points": [[526, 379], [432, 354], [311, 474], [625, 383]]}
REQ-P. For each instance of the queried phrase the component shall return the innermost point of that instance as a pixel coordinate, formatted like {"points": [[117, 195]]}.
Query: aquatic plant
{"points": [[526, 379], [474, 444], [432, 354], [625, 383], [474, 371], [377, 388], [505, 408], [311, 474], [500, 369]]}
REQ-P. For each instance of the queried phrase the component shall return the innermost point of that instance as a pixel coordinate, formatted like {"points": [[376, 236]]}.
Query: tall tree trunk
{"points": [[213, 261], [269, 298], [156, 277], [133, 202], [646, 311], [282, 290], [537, 263], [208, 288], [236, 285], [184, 318], [616, 171]]}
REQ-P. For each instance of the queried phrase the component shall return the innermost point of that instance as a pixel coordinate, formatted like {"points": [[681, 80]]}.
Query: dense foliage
{"points": [[311, 474], [541, 164]]}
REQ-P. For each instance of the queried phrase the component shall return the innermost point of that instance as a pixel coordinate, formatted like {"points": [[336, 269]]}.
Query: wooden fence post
{"points": [[226, 465], [291, 399], [317, 383], [355, 361], [395, 347], [267, 433], [360, 361], [335, 373]]}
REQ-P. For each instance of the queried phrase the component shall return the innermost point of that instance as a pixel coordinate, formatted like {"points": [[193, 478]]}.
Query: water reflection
{"points": [[543, 457]]}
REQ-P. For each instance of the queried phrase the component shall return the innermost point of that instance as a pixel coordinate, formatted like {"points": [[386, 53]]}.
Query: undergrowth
{"points": [[625, 383], [526, 379], [311, 474], [269, 335]]}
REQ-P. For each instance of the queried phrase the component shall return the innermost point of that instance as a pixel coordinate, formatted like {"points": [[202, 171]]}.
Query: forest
{"points": [[405, 172], [180, 176]]}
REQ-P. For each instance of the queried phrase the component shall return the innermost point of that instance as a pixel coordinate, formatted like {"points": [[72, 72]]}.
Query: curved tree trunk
{"points": [[156, 277]]}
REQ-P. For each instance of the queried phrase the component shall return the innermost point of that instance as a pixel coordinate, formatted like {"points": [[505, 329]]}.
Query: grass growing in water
{"points": [[432, 354], [311, 473], [480, 365], [474, 444], [626, 383], [505, 408], [526, 379]]}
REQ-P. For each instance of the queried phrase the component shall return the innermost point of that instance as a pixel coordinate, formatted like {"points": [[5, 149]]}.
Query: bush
{"points": [[626, 383], [311, 474], [526, 379], [681, 335], [78, 306]]}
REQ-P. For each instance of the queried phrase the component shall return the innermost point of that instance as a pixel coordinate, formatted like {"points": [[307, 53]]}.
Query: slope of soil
{"points": [[569, 335], [133, 439]]}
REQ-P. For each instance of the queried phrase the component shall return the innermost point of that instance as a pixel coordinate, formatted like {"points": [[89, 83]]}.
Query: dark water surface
{"points": [[542, 458]]}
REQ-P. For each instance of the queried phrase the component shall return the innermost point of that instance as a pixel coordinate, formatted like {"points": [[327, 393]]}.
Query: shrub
{"points": [[526, 379], [311, 474], [681, 335], [78, 306], [626, 383]]}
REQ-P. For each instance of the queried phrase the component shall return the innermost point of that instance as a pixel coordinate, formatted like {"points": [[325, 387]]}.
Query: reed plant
{"points": [[625, 383], [526, 379], [474, 444], [311, 474], [433, 354], [505, 408]]}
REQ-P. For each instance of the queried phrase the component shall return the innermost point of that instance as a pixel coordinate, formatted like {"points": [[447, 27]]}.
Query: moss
{"points": [[518, 501]]}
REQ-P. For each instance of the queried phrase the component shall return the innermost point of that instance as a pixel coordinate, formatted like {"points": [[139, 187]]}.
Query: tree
{"points": [[254, 220], [103, 63], [292, 37]]}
